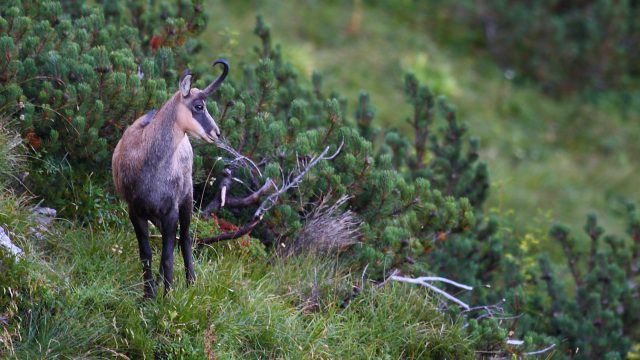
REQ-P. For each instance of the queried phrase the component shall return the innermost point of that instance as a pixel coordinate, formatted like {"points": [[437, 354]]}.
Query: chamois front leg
{"points": [[186, 243], [141, 227], [169, 224]]}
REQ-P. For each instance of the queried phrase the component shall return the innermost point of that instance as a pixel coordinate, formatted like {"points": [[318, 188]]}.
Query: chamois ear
{"points": [[185, 83]]}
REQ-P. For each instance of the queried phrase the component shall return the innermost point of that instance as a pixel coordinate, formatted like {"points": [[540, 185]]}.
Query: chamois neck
{"points": [[162, 134]]}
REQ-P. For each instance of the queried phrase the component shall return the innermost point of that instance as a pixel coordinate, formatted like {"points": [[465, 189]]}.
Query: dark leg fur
{"points": [[185, 240], [141, 227], [169, 225]]}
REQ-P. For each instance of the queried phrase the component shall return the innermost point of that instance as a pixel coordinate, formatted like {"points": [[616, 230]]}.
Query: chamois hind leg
{"points": [[141, 227], [169, 224], [186, 243]]}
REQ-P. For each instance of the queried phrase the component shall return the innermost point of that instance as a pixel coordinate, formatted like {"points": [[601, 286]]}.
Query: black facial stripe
{"points": [[201, 118]]}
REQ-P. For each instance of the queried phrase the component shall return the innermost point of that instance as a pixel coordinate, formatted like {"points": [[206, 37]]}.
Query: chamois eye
{"points": [[199, 107]]}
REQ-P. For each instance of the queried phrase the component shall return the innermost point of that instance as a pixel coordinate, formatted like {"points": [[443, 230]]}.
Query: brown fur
{"points": [[154, 141], [152, 166], [140, 144]]}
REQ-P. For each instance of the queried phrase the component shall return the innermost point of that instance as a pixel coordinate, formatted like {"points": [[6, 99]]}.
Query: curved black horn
{"points": [[216, 83]]}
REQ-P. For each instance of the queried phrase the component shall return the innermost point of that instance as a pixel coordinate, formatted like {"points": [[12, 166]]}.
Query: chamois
{"points": [[151, 168]]}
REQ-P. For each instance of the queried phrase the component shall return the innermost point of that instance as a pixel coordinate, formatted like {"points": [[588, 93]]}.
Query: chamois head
{"points": [[193, 117]]}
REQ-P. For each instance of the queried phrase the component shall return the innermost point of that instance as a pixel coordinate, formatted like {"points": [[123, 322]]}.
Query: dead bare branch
{"points": [[272, 199], [541, 351], [238, 158], [422, 279], [384, 282], [235, 202], [426, 282], [493, 311], [488, 308], [364, 272], [221, 200], [230, 235], [357, 290], [290, 182]]}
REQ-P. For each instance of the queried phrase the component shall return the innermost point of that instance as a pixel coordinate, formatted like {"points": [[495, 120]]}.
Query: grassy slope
{"points": [[78, 294], [548, 158]]}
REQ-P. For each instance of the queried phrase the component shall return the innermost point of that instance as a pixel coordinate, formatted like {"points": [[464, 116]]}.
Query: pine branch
{"points": [[562, 235], [594, 232], [227, 105], [552, 291], [405, 207]]}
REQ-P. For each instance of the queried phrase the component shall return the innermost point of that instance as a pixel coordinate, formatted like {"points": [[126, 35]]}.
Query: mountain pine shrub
{"points": [[596, 311], [267, 114], [420, 200], [72, 82]]}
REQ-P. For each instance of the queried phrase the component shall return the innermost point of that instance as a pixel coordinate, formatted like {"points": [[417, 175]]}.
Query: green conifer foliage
{"points": [[74, 82], [271, 117], [596, 312]]}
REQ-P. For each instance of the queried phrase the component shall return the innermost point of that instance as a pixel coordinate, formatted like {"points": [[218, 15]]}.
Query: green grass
{"points": [[77, 294], [560, 157], [11, 159]]}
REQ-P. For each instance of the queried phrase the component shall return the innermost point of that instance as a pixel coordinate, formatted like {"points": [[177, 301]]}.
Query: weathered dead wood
{"points": [[426, 281], [221, 200], [293, 180], [230, 235]]}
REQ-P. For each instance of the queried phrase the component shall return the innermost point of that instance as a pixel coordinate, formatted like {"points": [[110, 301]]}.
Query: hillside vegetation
{"points": [[550, 157], [453, 158], [78, 295]]}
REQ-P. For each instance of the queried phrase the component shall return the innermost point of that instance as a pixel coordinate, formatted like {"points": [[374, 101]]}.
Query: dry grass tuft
{"points": [[12, 158], [327, 229]]}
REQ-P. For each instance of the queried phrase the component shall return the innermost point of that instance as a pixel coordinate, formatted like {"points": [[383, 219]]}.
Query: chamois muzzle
{"points": [[216, 83]]}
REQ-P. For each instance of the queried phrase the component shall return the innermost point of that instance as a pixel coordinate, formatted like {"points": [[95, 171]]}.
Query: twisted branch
{"points": [[269, 202], [238, 158]]}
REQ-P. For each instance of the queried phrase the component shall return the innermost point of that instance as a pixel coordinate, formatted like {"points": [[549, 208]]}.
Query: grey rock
{"points": [[5, 242], [42, 218]]}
